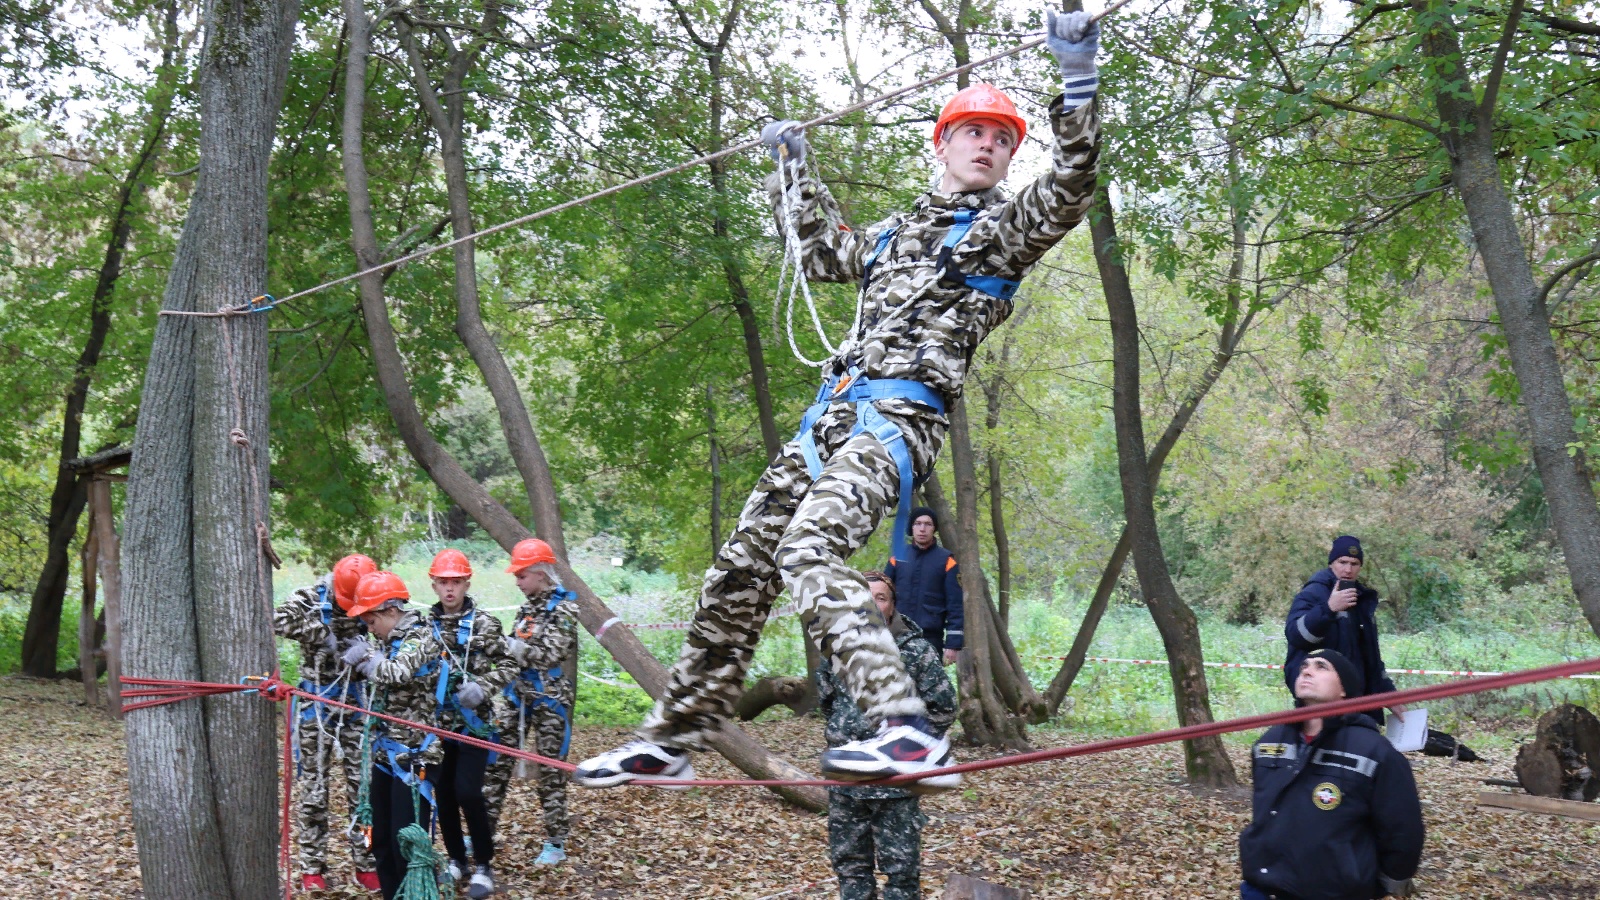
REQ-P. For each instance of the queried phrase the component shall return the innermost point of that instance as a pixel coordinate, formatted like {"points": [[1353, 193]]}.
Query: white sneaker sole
{"points": [[605, 781]]}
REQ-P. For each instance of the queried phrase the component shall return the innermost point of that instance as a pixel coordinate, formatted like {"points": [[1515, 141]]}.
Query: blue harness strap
{"points": [[859, 389], [993, 285], [535, 680], [444, 700], [392, 749], [325, 605]]}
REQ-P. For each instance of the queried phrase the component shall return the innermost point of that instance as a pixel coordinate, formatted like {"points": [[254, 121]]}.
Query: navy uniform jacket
{"points": [[927, 590], [1313, 626], [1329, 816]]}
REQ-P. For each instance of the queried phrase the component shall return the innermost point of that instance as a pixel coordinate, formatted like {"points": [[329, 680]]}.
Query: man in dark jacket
{"points": [[1335, 810], [928, 586], [1334, 611]]}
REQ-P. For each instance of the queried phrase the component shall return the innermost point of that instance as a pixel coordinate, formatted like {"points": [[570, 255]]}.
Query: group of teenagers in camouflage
{"points": [[934, 282]]}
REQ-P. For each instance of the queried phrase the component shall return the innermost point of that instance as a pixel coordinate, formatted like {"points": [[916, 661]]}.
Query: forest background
{"points": [[1307, 285]]}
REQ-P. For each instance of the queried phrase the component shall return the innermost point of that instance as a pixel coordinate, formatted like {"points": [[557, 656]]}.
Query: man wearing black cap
{"points": [[1335, 809], [928, 585], [1334, 611]]}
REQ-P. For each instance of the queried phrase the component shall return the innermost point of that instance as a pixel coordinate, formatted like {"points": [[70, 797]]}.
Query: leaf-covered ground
{"points": [[1120, 826]]}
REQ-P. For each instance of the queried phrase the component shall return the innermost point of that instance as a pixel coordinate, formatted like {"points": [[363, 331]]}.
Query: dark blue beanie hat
{"points": [[1345, 545], [918, 513], [1349, 676]]}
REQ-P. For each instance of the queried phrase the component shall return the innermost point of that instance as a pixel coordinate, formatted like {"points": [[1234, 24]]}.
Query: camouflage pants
{"points": [[889, 829], [800, 534], [546, 732], [317, 750]]}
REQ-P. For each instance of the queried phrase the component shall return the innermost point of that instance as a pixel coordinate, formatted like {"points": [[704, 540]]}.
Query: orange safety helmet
{"points": [[980, 101], [347, 574], [530, 552], [450, 564], [376, 588]]}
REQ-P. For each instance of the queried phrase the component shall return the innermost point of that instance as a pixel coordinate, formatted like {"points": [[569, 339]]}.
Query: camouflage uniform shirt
{"points": [[483, 658], [844, 720], [549, 636], [400, 691], [914, 324], [299, 619]]}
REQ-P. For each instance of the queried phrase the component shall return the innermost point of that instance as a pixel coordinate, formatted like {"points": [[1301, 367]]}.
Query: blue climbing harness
{"points": [[393, 749], [535, 680], [992, 285], [444, 699], [859, 389]]}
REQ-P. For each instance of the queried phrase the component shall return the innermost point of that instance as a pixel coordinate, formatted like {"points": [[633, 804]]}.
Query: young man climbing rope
{"points": [[868, 823], [473, 669], [934, 282], [316, 617], [544, 636], [404, 675]]}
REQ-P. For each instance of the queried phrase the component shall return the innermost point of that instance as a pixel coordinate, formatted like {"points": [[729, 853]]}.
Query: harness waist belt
{"points": [[857, 388]]}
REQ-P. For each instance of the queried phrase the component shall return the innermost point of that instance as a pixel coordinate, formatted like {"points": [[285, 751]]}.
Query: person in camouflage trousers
{"points": [[314, 617], [402, 667], [885, 823], [478, 668], [934, 283], [541, 698]]}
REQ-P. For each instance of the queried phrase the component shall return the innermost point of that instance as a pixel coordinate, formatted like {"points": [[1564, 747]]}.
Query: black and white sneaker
{"points": [[901, 747], [482, 883], [635, 761]]}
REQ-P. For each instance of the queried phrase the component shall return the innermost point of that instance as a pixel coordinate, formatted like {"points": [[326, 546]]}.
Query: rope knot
{"points": [[274, 688]]}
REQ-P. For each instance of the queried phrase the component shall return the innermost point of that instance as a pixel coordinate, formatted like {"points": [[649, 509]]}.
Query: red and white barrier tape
{"points": [[1453, 673]]}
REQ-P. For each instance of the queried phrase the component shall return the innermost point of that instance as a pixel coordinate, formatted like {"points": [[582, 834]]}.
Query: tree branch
{"points": [[1564, 271], [1491, 90]]}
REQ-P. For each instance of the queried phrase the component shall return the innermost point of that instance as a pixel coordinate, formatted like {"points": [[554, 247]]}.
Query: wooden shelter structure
{"points": [[100, 639]]}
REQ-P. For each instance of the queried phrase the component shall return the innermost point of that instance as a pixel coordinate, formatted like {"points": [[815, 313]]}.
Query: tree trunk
{"points": [[1468, 137], [202, 774], [1236, 323], [1207, 761], [446, 111], [625, 647], [987, 716], [716, 469], [41, 638]]}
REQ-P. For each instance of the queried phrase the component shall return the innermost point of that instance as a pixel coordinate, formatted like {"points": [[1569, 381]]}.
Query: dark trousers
{"points": [[392, 810], [1248, 891], [461, 794], [935, 636], [887, 831]]}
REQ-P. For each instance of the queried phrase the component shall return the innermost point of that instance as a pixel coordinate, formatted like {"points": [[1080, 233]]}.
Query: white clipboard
{"points": [[1409, 734]]}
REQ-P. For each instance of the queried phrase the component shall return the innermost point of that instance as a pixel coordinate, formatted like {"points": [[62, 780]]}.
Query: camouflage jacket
{"points": [[913, 326], [484, 659], [404, 685], [547, 624], [844, 721], [300, 619]]}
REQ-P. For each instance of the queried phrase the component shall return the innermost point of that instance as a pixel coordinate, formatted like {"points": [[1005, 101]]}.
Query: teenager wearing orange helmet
{"points": [[544, 637], [934, 282], [315, 618]]}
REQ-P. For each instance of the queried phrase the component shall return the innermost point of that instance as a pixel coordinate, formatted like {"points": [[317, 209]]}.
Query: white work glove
{"points": [[516, 648], [356, 653], [1397, 887], [1074, 38], [469, 695], [331, 644], [789, 135]]}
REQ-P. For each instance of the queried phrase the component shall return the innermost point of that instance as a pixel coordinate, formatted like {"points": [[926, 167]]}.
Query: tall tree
{"points": [[42, 636], [1206, 759], [198, 594]]}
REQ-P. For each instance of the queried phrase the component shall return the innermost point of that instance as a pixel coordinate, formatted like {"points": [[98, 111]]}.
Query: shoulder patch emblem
{"points": [[1326, 795]]}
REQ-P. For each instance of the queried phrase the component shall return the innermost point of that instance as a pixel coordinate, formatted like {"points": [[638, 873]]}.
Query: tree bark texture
{"points": [[996, 699], [1468, 136], [202, 773], [446, 110], [389, 366], [42, 635], [1206, 760]]}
